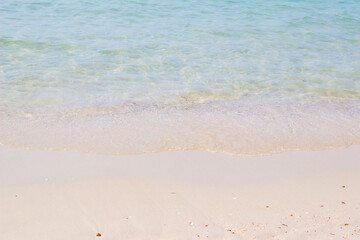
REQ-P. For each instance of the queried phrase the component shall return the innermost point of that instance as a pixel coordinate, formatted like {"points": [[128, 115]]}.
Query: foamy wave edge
{"points": [[242, 127]]}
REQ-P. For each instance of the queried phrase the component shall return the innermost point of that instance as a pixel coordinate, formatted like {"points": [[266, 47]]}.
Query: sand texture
{"points": [[179, 195]]}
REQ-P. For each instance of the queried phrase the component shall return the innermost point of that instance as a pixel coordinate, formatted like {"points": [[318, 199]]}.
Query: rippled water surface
{"points": [[119, 77]]}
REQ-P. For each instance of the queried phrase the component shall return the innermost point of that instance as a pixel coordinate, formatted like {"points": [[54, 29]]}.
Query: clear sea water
{"points": [[133, 76]]}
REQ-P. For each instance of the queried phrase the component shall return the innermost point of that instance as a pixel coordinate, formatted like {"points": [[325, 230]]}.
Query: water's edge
{"points": [[233, 127]]}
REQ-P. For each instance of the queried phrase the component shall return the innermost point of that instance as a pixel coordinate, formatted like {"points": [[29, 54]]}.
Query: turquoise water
{"points": [[242, 77]]}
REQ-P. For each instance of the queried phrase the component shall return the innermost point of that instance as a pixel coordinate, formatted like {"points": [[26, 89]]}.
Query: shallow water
{"points": [[119, 77]]}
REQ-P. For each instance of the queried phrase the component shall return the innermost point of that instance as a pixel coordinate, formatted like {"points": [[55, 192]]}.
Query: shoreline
{"points": [[241, 127], [179, 195]]}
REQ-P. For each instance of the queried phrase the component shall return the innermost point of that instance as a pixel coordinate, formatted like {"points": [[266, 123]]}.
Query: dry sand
{"points": [[179, 195]]}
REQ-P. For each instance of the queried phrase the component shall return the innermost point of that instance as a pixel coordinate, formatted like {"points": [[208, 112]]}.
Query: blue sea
{"points": [[245, 77]]}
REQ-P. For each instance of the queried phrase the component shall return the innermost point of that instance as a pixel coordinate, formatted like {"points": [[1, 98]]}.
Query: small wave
{"points": [[233, 127]]}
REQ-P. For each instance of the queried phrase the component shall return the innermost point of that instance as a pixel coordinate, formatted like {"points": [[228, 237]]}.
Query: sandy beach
{"points": [[179, 195], [177, 120]]}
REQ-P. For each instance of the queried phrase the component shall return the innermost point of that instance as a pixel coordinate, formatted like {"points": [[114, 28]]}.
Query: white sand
{"points": [[179, 195]]}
